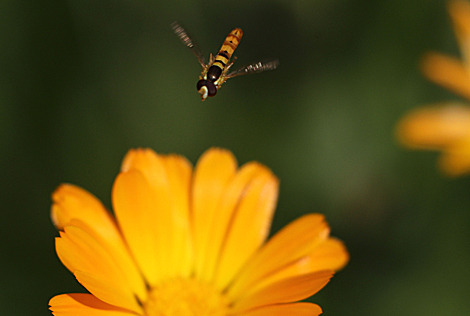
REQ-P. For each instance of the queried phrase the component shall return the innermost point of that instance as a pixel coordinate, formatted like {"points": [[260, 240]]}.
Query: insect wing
{"points": [[187, 41], [255, 68]]}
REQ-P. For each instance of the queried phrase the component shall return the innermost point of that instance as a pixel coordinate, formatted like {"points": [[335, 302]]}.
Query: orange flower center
{"points": [[186, 297]]}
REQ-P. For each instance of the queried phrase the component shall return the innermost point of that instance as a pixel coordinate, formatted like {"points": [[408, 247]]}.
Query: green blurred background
{"points": [[84, 81]]}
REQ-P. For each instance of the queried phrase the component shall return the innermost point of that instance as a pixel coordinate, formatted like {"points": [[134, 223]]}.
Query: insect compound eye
{"points": [[211, 88], [200, 83]]}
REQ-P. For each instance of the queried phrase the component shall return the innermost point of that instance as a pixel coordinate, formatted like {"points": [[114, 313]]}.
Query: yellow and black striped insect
{"points": [[215, 73]]}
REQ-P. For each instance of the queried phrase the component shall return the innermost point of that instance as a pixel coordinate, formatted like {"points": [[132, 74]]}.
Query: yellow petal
{"points": [[179, 172], [118, 252], [460, 14], [448, 72], [226, 208], [143, 159], [81, 253], [297, 309], [291, 243], [142, 220], [434, 127], [250, 225], [71, 202], [109, 291], [459, 11], [169, 178], [285, 291], [84, 305], [329, 255], [214, 170], [148, 163], [455, 160], [75, 205]]}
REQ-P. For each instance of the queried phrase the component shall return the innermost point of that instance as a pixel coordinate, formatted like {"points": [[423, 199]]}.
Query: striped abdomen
{"points": [[223, 56]]}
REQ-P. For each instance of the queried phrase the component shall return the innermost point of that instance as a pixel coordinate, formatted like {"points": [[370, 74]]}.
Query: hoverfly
{"points": [[215, 73]]}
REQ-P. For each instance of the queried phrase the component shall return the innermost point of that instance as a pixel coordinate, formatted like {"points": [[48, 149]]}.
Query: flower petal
{"points": [[73, 205], [179, 172], [71, 255], [285, 291], [460, 14], [149, 164], [82, 254], [455, 160], [434, 127], [108, 290], [226, 208], [448, 72], [250, 225], [214, 170], [169, 178], [138, 214], [328, 255], [72, 202], [293, 242], [297, 309], [84, 305]]}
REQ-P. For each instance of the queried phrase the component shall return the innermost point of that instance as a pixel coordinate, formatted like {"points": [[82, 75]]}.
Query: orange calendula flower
{"points": [[186, 242], [445, 127]]}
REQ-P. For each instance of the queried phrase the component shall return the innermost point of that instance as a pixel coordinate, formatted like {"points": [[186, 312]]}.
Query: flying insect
{"points": [[216, 72]]}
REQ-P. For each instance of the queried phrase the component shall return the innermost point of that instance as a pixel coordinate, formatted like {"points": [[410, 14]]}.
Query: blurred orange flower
{"points": [[446, 126], [187, 242]]}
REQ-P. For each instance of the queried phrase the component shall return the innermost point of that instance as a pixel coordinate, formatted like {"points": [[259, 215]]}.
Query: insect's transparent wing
{"points": [[187, 41], [260, 66]]}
